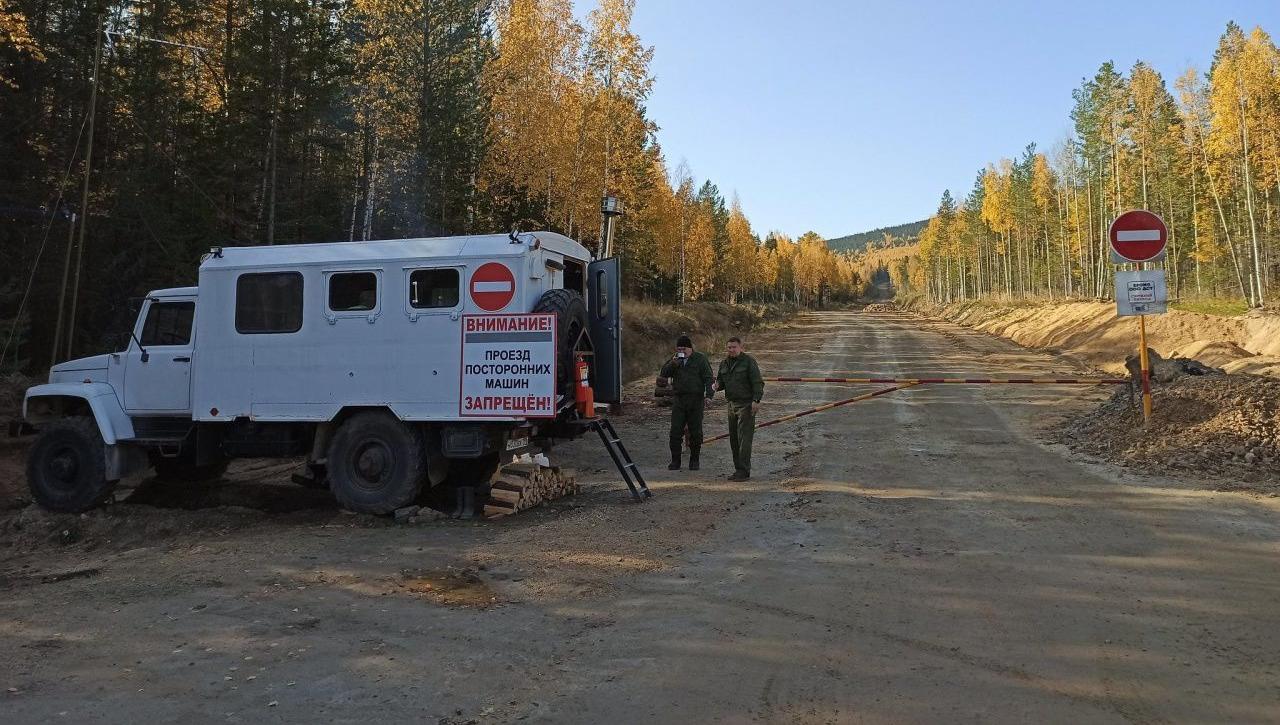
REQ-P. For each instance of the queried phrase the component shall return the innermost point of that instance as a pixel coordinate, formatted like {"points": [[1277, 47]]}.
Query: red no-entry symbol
{"points": [[492, 286], [1138, 236]]}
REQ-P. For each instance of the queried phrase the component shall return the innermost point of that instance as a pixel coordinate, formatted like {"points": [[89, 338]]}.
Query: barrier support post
{"points": [[1146, 370]]}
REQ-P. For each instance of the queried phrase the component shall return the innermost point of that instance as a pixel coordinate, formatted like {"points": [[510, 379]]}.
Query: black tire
{"points": [[67, 467], [377, 463], [183, 468], [571, 321]]}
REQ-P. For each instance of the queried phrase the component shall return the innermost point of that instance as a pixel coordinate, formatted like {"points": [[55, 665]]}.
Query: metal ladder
{"points": [[622, 459]]}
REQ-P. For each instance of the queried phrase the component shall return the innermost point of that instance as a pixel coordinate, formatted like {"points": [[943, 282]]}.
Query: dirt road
{"points": [[919, 557]]}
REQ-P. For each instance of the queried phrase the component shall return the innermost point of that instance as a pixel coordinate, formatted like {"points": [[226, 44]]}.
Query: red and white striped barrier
{"points": [[903, 383], [956, 381], [819, 409]]}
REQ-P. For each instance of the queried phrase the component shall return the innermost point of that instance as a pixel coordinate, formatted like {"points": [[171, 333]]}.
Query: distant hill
{"points": [[858, 242]]}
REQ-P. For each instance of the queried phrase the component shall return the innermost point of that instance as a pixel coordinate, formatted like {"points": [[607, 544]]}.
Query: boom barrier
{"points": [[957, 381], [819, 409], [904, 383]]}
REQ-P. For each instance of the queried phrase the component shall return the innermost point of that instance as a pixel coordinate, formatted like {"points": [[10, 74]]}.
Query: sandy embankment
{"points": [[1091, 332]]}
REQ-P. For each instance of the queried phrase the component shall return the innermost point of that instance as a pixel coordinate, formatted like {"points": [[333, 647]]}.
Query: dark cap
{"points": [[684, 341]]}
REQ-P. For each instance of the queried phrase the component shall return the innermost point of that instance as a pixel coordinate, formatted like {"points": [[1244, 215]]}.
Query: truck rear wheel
{"points": [[377, 463], [571, 322], [67, 468]]}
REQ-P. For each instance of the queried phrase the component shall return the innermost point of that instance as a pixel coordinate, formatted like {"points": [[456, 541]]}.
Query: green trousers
{"points": [[742, 428], [686, 412]]}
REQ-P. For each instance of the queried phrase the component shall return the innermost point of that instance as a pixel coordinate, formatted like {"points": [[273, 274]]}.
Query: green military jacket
{"points": [[740, 379], [693, 377]]}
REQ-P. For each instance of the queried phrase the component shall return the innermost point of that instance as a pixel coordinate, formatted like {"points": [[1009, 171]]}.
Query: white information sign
{"points": [[1141, 292], [508, 366]]}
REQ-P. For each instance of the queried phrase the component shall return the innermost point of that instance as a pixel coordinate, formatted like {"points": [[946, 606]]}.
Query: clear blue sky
{"points": [[845, 116]]}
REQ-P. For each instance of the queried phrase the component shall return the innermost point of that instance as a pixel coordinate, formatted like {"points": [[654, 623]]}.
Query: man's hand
{"points": [[717, 386], [706, 403], [755, 407]]}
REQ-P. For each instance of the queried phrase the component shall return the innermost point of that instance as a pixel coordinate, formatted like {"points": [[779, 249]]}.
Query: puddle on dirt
{"points": [[450, 587]]}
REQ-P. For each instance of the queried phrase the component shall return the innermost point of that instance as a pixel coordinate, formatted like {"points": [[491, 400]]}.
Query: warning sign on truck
{"points": [[508, 366]]}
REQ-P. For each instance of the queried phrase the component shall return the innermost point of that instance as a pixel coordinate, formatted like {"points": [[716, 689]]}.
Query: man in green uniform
{"points": [[743, 387], [690, 374]]}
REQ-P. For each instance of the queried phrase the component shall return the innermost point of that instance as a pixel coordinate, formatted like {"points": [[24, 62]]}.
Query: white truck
{"points": [[392, 365]]}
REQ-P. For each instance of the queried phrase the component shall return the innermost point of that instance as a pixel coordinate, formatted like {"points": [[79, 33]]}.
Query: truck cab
{"points": [[352, 354]]}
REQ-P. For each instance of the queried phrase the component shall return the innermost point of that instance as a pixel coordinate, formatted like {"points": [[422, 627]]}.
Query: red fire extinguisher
{"points": [[583, 395]]}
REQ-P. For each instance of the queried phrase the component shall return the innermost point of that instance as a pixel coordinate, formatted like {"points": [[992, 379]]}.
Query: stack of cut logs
{"points": [[662, 391], [880, 307], [521, 486]]}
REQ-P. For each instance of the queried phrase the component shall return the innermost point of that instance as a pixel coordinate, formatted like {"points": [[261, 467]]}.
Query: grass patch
{"points": [[1221, 308], [649, 330]]}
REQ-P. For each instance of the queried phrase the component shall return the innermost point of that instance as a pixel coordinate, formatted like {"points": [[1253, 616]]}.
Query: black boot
{"points": [[693, 460], [675, 458]]}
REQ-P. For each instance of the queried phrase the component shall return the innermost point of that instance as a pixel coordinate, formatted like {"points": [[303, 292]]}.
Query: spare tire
{"points": [[571, 321]]}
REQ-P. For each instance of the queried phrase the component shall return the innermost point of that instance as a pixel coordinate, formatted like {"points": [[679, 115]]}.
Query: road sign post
{"points": [[1138, 237]]}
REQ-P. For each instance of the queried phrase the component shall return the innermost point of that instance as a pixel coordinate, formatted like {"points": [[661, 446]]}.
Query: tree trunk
{"points": [[1258, 300], [1195, 232]]}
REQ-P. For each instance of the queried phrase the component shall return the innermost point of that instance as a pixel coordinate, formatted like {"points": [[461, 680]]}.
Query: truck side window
{"points": [[575, 276], [602, 295], [168, 323], [353, 291], [430, 288], [269, 302]]}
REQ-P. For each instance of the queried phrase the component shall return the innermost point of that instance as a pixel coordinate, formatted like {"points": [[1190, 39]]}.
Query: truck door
{"points": [[604, 307], [157, 377]]}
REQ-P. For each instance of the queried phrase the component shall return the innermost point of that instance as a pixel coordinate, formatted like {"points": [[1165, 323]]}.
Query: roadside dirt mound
{"points": [[13, 472], [1227, 425], [1268, 365], [1090, 331], [1215, 353]]}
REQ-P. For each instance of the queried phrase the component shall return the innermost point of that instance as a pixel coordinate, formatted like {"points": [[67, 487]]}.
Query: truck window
{"points": [[575, 276], [353, 291], [602, 295], [436, 288], [268, 302], [168, 323]]}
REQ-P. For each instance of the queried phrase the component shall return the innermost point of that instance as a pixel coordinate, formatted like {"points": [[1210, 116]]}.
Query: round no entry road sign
{"points": [[492, 286], [1138, 236]]}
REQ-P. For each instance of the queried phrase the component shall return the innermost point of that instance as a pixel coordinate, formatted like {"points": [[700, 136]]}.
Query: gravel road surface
{"points": [[920, 557]]}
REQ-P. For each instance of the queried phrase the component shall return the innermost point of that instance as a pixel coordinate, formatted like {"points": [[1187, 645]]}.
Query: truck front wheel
{"points": [[67, 468], [377, 463]]}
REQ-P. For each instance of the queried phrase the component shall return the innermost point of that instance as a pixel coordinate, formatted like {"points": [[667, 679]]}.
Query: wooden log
{"points": [[508, 485], [524, 470], [501, 504], [511, 497]]}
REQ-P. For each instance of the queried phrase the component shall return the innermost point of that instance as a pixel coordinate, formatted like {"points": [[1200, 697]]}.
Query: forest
{"points": [[1202, 152], [880, 236], [246, 122]]}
